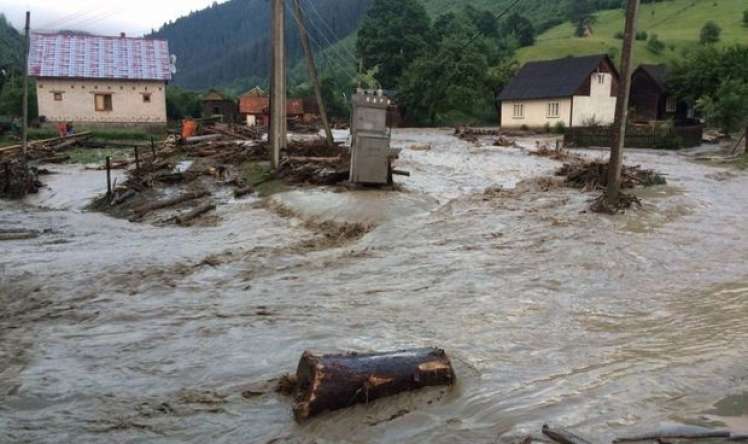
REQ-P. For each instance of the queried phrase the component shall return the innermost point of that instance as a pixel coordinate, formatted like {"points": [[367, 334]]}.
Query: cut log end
{"points": [[332, 382]]}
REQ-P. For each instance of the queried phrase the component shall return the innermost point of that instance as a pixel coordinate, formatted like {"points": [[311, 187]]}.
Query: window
{"points": [[58, 96], [553, 109], [519, 111], [671, 105], [146, 97], [600, 78], [103, 102]]}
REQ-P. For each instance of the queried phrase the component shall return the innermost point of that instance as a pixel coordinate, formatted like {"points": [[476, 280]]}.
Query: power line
{"points": [[332, 46], [329, 27]]}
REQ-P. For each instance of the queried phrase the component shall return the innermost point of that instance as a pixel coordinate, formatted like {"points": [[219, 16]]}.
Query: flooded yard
{"points": [[607, 325]]}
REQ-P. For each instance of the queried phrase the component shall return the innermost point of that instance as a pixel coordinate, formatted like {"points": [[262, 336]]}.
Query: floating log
{"points": [[20, 235], [678, 432], [563, 436], [174, 201], [35, 143], [198, 139], [197, 212], [333, 382], [241, 192], [401, 173]]}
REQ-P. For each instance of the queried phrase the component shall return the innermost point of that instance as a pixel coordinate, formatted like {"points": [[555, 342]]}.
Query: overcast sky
{"points": [[107, 17]]}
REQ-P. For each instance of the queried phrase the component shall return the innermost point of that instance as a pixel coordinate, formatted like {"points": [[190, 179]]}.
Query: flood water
{"points": [[119, 332]]}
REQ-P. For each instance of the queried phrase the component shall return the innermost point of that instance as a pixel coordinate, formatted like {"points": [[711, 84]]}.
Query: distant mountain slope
{"points": [[11, 46], [228, 42], [677, 23]]}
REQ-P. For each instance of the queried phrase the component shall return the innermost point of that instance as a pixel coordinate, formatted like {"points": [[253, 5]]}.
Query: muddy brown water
{"points": [[119, 332]]}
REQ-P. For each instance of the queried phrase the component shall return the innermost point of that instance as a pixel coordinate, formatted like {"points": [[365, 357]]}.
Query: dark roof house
{"points": [[651, 99], [555, 78]]}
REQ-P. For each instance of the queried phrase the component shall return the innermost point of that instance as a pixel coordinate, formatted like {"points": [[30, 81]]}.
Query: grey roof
{"points": [[658, 73], [552, 78]]}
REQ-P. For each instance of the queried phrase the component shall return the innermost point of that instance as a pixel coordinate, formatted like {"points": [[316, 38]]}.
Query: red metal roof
{"points": [[97, 57], [254, 105]]}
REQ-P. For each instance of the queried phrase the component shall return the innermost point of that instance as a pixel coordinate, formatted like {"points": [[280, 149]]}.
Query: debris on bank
{"points": [[593, 175], [17, 177]]}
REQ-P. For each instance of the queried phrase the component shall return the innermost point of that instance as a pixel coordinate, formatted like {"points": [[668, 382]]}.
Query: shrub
{"points": [[547, 127], [710, 33], [745, 18], [655, 45], [559, 128], [642, 36], [619, 35], [524, 128]]}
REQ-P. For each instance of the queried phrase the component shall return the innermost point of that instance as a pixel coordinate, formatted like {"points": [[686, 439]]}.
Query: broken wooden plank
{"points": [[333, 382], [198, 139], [677, 432], [174, 201], [34, 143], [21, 235], [197, 212], [122, 198]]}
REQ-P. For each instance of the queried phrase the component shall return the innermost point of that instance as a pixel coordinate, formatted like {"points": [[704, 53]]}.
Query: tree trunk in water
{"points": [[334, 382]]}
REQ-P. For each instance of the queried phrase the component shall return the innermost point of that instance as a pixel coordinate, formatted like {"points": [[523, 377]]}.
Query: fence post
{"points": [[153, 149], [109, 177], [137, 160]]}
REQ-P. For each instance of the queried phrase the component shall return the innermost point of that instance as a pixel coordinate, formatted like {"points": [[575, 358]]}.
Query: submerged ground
{"points": [[119, 332]]}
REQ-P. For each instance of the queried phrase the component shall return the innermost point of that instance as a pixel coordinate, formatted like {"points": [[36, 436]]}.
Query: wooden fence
{"points": [[638, 137]]}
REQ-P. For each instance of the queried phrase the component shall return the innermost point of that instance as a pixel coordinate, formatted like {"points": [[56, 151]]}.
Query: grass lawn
{"points": [[259, 174], [87, 156], [677, 23]]}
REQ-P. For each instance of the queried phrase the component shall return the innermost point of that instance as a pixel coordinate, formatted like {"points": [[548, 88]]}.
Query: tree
{"points": [[181, 103], [394, 33], [700, 73], [454, 77], [745, 17], [11, 97], [728, 107], [484, 21], [710, 33], [521, 28], [580, 13]]}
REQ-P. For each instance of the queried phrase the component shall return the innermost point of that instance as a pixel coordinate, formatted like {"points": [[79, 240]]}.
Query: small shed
{"points": [[215, 103], [650, 99]]}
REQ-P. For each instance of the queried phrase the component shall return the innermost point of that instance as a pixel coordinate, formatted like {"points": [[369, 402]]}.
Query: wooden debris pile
{"points": [[593, 175], [505, 142], [17, 180], [557, 153], [314, 162], [45, 151], [235, 132]]}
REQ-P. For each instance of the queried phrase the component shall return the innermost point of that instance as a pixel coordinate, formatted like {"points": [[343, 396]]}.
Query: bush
{"points": [[710, 33], [619, 35], [642, 36], [559, 128], [745, 18], [655, 45]]}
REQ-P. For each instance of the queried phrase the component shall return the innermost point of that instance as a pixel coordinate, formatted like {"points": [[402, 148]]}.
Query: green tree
{"points": [[484, 21], [11, 98], [581, 15], [745, 17], [655, 45], [453, 78], [393, 34], [710, 33], [181, 103], [728, 107], [700, 72], [521, 28]]}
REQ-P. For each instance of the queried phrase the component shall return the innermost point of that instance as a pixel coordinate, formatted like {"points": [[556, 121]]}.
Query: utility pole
{"points": [[26, 49], [278, 134], [622, 106], [312, 69]]}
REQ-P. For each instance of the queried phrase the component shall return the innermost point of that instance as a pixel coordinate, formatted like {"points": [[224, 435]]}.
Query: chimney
{"points": [[122, 35]]}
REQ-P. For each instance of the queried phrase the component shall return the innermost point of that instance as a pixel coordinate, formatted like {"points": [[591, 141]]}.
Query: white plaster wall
{"points": [[536, 113], [600, 105], [78, 105]]}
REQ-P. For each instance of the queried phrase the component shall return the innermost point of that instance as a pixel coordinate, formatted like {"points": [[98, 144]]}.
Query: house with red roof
{"points": [[100, 80]]}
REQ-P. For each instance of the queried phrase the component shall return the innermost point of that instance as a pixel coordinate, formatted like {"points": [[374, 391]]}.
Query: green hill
{"points": [[677, 23], [11, 46]]}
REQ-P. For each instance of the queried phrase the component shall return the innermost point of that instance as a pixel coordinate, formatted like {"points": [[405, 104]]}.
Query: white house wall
{"points": [[78, 104], [535, 113], [599, 106]]}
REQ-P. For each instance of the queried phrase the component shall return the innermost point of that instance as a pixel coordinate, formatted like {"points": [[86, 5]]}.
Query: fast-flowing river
{"points": [[119, 332]]}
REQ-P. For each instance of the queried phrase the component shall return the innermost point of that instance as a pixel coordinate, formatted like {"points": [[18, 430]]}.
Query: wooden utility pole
{"points": [[26, 49], [312, 69], [278, 134], [622, 106]]}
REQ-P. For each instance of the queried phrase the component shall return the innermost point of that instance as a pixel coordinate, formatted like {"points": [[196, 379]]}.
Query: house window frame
{"points": [[147, 97], [553, 110], [671, 105], [57, 96], [518, 111], [600, 78], [108, 104]]}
